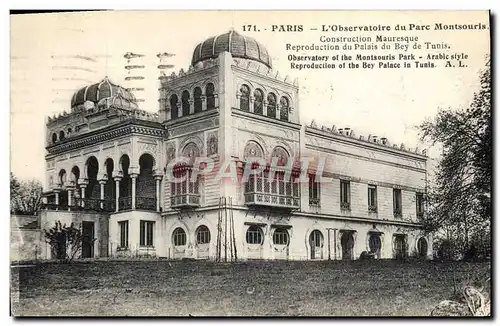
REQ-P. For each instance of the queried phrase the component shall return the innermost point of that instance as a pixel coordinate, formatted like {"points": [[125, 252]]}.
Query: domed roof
{"points": [[238, 45], [99, 91]]}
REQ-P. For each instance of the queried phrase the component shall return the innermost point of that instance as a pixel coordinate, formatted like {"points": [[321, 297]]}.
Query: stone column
{"points": [[56, 192], [264, 108], [278, 113], [102, 182], [70, 193], [133, 176], [203, 103], [191, 106], [83, 185], [158, 192], [179, 109], [117, 191], [216, 100], [250, 103]]}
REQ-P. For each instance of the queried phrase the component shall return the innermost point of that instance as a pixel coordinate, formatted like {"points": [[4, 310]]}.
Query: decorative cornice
{"points": [[104, 135], [258, 117], [360, 143]]}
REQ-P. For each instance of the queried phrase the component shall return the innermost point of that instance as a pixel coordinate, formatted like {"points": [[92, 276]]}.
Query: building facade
{"points": [[226, 169]]}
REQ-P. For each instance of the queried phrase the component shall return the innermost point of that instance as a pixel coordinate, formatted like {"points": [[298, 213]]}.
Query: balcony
{"points": [[398, 213], [145, 203], [185, 200], [372, 208], [345, 206], [95, 205], [261, 191]]}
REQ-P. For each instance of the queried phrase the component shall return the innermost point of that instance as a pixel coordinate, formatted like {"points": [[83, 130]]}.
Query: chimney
{"points": [[375, 140], [341, 131], [346, 131], [384, 140]]}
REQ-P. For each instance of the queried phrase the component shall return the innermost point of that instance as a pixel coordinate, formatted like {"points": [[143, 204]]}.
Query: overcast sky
{"points": [[379, 102]]}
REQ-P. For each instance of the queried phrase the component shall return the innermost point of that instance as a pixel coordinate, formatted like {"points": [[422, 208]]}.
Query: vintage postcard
{"points": [[251, 163]]}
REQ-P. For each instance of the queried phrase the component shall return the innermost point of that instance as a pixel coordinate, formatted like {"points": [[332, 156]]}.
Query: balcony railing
{"points": [[277, 193], [88, 204], [397, 212], [185, 200], [314, 201], [125, 203], [372, 208], [145, 203], [345, 206]]}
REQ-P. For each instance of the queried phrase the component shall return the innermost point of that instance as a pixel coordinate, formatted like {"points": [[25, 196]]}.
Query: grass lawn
{"points": [[254, 288]]}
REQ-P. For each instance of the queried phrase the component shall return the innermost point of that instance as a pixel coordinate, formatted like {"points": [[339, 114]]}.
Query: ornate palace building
{"points": [[196, 180]]}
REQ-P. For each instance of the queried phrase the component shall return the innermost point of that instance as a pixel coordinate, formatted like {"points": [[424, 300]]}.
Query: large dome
{"points": [[100, 91], [238, 45]]}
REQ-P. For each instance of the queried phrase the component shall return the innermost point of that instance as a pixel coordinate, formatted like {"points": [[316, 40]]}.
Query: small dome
{"points": [[100, 91], [238, 45]]}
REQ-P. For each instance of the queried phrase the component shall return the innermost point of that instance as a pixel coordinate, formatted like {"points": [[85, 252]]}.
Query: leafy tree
{"points": [[460, 198], [65, 241], [14, 192], [25, 196]]}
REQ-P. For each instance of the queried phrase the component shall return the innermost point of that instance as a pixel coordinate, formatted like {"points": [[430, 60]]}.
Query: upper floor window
{"points": [[147, 233], [271, 105], [345, 195], [420, 204], [185, 103], [372, 198], [314, 190], [54, 138], [258, 102], [284, 107], [244, 98], [397, 202], [174, 111], [210, 94], [198, 103], [61, 135]]}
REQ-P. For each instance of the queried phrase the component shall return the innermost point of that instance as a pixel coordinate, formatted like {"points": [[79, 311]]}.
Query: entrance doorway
{"points": [[375, 244], [347, 242], [400, 246], [88, 239], [316, 243]]}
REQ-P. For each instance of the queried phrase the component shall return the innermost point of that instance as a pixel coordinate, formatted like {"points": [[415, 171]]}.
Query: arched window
{"points": [[316, 239], [374, 243], [174, 111], [258, 102], [179, 237], [422, 247], [54, 138], [197, 100], [69, 131], [202, 235], [62, 177], [271, 105], [280, 237], [210, 93], [244, 98], [284, 107], [185, 103], [61, 135], [254, 235]]}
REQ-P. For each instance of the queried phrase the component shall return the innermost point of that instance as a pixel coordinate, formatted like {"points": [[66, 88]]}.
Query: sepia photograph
{"points": [[251, 163]]}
